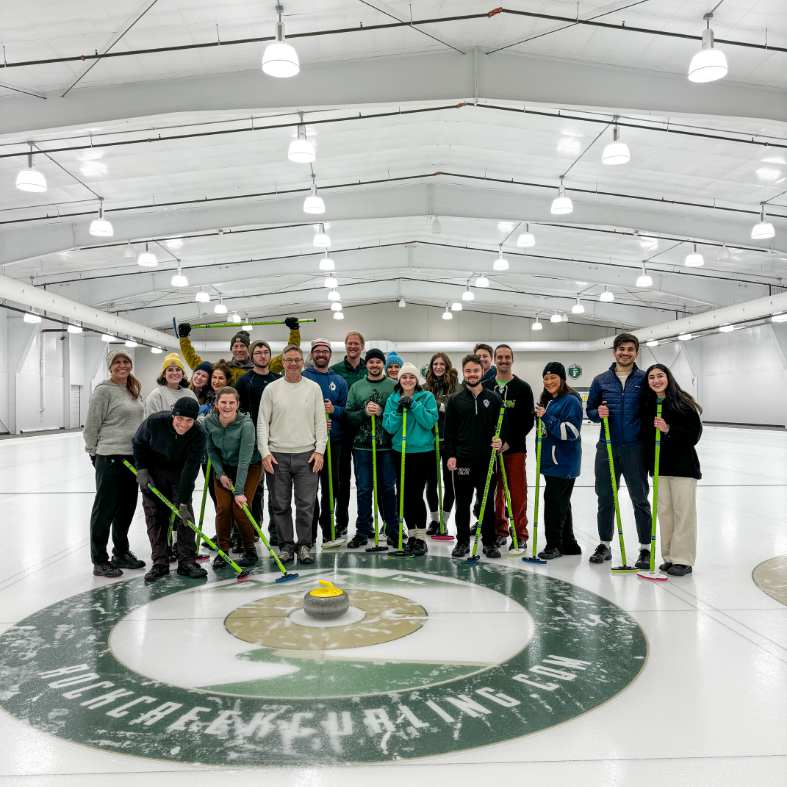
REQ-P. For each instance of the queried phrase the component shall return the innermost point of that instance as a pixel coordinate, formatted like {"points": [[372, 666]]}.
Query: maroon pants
{"points": [[517, 488]]}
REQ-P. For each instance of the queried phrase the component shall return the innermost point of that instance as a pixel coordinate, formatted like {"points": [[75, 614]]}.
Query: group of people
{"points": [[308, 430]]}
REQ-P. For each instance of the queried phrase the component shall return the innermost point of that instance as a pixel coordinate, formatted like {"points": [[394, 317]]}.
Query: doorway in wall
{"points": [[75, 409]]}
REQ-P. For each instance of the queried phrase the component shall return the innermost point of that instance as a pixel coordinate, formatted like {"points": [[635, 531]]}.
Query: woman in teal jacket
{"points": [[419, 454], [232, 448]]}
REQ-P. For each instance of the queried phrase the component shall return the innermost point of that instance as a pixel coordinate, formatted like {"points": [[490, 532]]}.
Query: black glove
{"points": [[292, 323], [143, 479], [184, 513], [184, 329], [405, 402], [92, 459]]}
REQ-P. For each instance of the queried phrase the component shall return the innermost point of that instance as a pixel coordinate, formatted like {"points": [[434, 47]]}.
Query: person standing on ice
{"points": [[679, 466], [617, 394], [171, 385], [168, 447], [115, 411]]}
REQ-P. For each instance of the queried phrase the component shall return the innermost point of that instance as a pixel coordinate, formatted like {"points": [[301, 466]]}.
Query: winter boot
{"points": [[126, 560], [192, 571], [602, 553], [248, 558]]}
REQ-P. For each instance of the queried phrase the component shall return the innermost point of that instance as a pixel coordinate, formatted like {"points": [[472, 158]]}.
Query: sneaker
{"points": [[108, 570], [158, 571], [304, 556], [285, 556], [665, 567], [126, 560], [433, 529], [571, 548], [492, 552], [679, 570], [357, 541], [248, 558], [550, 553], [419, 548], [500, 541], [190, 570], [215, 540], [460, 550], [173, 555], [409, 546], [520, 545], [219, 562], [644, 559], [602, 553]]}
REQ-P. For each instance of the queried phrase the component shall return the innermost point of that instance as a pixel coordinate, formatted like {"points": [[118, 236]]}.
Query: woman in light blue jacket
{"points": [[560, 411]]}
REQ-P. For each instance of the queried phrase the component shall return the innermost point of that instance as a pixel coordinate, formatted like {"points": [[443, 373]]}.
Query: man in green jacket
{"points": [[352, 369], [367, 398]]}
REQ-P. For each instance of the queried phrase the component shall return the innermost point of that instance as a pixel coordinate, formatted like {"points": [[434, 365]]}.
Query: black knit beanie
{"points": [[241, 336], [375, 353], [186, 406], [554, 367]]}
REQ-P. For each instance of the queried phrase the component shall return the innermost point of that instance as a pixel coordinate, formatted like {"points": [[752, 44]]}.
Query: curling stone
{"points": [[326, 602]]}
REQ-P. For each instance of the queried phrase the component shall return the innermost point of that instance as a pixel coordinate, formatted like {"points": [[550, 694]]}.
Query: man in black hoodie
{"points": [[471, 418], [167, 448]]}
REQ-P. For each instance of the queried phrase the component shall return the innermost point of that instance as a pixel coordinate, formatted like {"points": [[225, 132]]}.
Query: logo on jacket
{"points": [[332, 386], [486, 402]]}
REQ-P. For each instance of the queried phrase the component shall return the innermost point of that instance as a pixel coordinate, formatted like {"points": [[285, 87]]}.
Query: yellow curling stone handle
{"points": [[326, 592]]}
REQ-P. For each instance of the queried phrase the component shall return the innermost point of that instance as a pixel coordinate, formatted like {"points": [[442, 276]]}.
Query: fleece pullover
{"points": [[162, 398], [234, 445], [470, 423]]}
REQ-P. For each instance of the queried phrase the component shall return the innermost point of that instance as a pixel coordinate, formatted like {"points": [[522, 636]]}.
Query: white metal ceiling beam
{"points": [[383, 81]]}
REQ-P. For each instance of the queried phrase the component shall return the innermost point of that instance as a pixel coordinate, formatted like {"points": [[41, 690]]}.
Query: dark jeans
{"points": [[386, 492], [113, 506], [558, 522], [470, 477], [630, 461], [416, 471], [322, 507], [157, 515], [431, 484], [342, 511], [293, 473]]}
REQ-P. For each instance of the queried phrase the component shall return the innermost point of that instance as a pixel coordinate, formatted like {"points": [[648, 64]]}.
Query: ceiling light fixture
{"points": [[537, 326], [329, 281], [31, 179], [578, 308], [779, 318], [726, 328], [764, 229], [606, 296], [301, 150], [235, 317], [100, 227], [402, 303], [131, 343], [644, 280], [106, 337], [333, 295], [280, 59], [695, 259], [220, 308], [555, 318], [482, 282], [128, 252], [501, 263], [31, 317], [724, 252], [179, 280], [684, 337], [336, 306], [561, 204], [437, 227], [74, 329], [526, 239], [564, 317], [468, 295], [616, 152], [321, 239], [652, 343], [447, 315], [147, 259], [156, 350], [326, 263], [708, 64], [202, 296], [456, 306], [313, 203], [338, 315]]}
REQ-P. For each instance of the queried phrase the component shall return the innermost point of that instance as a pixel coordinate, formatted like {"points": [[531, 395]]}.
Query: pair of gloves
{"points": [[405, 403], [184, 328]]}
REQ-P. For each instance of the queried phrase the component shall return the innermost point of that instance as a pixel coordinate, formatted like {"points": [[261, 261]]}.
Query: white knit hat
{"points": [[409, 368], [112, 354]]}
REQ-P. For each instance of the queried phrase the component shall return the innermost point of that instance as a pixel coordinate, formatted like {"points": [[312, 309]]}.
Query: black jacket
{"points": [[677, 456], [156, 443], [470, 424], [520, 414], [250, 387]]}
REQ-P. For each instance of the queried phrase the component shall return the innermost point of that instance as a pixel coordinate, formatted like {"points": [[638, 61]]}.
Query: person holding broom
{"points": [[560, 411], [419, 456], [679, 466]]}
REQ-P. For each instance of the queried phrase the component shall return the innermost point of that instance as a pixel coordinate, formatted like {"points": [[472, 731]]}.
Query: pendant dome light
{"points": [[326, 263], [131, 343], [31, 179], [280, 59], [526, 239], [220, 308], [202, 296], [338, 315], [764, 229], [447, 315], [468, 295], [555, 318], [684, 337], [107, 337], [301, 150], [179, 280], [724, 252], [482, 282], [578, 308], [329, 281], [726, 328], [437, 227], [537, 326], [644, 280], [156, 350], [402, 303], [652, 343], [321, 238], [616, 152], [100, 227], [709, 64], [501, 263], [695, 259], [561, 204], [456, 306], [128, 252], [564, 317], [336, 306], [147, 259], [333, 295], [313, 203], [235, 317], [606, 296]]}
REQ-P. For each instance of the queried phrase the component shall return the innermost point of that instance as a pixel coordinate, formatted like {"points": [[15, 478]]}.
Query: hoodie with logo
{"points": [[470, 423], [334, 389]]}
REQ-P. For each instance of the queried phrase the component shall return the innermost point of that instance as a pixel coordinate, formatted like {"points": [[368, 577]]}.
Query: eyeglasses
{"points": [[293, 360]]}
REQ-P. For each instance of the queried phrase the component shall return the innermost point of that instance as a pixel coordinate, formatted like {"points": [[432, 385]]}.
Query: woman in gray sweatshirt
{"points": [[114, 413], [172, 384]]}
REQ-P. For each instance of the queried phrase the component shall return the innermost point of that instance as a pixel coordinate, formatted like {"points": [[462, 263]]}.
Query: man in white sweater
{"points": [[292, 435]]}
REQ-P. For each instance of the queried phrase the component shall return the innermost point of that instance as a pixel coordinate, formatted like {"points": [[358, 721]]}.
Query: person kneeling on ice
{"points": [[560, 411], [235, 461], [679, 466], [168, 447], [419, 459]]}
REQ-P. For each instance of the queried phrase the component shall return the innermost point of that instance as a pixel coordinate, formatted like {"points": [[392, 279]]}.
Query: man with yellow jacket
{"points": [[239, 347]]}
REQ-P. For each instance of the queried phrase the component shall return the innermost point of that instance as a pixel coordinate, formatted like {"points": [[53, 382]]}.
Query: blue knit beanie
{"points": [[392, 357], [205, 366]]}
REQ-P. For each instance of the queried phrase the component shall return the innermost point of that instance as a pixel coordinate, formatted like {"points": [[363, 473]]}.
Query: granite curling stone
{"points": [[326, 602]]}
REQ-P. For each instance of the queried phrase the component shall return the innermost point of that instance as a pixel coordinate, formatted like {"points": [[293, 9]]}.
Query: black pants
{"points": [[431, 485], [322, 508], [113, 506], [342, 513], [416, 471], [558, 522], [209, 482], [470, 477], [158, 516]]}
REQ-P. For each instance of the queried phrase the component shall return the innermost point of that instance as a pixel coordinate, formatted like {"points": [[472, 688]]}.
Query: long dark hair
{"points": [[676, 398], [547, 397], [449, 380], [223, 367]]}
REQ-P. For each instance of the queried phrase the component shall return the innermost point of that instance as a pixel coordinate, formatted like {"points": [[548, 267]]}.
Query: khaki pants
{"points": [[678, 519]]}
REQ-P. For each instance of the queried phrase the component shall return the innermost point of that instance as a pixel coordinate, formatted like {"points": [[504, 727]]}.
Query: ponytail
{"points": [[134, 386]]}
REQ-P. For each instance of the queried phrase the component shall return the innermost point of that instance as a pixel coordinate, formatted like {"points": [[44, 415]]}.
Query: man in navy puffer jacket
{"points": [[618, 394]]}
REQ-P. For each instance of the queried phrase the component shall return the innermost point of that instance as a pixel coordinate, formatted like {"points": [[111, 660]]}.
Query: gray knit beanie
{"points": [[112, 354]]}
